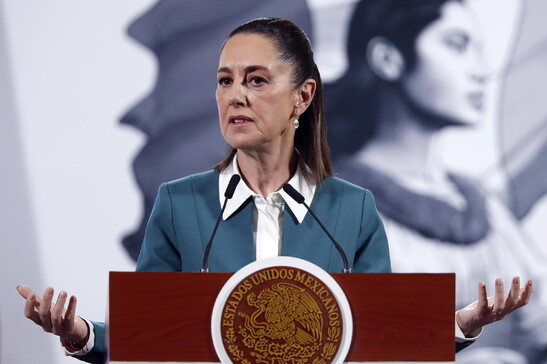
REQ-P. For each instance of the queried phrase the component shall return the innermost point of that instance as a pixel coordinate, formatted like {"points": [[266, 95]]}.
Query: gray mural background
{"points": [[76, 182]]}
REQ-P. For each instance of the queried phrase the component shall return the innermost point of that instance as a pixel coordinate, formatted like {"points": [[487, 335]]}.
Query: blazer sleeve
{"points": [[461, 346], [372, 255], [159, 252], [97, 355]]}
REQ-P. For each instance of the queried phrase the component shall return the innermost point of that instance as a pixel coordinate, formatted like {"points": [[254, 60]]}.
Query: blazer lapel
{"points": [[307, 240], [235, 244], [232, 246]]}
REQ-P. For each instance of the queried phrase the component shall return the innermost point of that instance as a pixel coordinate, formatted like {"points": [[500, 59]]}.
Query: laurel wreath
{"points": [[230, 339], [329, 349]]}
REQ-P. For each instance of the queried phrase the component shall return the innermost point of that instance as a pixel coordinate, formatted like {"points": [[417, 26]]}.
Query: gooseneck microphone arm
{"points": [[295, 195], [228, 194]]}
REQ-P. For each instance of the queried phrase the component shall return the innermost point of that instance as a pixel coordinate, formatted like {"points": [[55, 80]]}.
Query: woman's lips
{"points": [[239, 119], [476, 99]]}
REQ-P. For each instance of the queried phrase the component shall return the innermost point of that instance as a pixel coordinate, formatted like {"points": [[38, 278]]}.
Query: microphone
{"points": [[228, 194], [295, 195]]}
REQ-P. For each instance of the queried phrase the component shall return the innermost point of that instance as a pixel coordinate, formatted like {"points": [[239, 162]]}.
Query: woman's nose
{"points": [[481, 71], [237, 95], [479, 77]]}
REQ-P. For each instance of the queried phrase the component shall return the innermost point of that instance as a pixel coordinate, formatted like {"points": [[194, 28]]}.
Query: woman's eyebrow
{"points": [[457, 32], [246, 69], [255, 68]]}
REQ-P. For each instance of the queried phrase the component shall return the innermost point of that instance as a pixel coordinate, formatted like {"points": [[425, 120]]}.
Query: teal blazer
{"points": [[186, 210]]}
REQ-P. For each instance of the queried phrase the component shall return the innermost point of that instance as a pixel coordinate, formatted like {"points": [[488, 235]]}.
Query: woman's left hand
{"points": [[490, 309]]}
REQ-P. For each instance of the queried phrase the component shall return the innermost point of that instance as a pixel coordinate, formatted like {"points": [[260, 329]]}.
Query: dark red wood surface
{"points": [[157, 316]]}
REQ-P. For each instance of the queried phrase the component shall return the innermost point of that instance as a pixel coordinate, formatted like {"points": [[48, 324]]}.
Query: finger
{"points": [[45, 309], [30, 311], [483, 299], [525, 294], [57, 314], [70, 313], [499, 298], [513, 296], [25, 292]]}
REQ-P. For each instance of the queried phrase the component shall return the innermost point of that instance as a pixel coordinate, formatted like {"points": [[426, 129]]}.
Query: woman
{"points": [[415, 69], [175, 144], [270, 113]]}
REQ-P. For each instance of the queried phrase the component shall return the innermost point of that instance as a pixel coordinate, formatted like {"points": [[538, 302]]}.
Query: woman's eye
{"points": [[224, 81], [457, 43], [256, 80]]}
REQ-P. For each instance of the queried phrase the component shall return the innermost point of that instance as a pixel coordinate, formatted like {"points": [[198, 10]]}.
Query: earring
{"points": [[296, 123]]}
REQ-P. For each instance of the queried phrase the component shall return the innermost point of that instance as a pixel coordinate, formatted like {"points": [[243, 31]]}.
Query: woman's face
{"points": [[255, 97], [448, 78]]}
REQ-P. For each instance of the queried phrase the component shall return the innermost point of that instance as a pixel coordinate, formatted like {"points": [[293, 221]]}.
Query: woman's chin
{"points": [[463, 118], [470, 119], [244, 145]]}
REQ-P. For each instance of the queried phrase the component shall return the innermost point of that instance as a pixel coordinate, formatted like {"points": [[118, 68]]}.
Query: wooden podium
{"points": [[166, 317]]}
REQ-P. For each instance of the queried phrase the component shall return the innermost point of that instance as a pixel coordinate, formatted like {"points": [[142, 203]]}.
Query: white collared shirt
{"points": [[267, 212]]}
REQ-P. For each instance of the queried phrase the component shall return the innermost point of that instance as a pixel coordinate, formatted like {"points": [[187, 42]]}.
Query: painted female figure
{"points": [[414, 69]]}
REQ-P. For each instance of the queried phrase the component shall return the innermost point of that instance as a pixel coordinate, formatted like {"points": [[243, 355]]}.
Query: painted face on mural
{"points": [[255, 96], [448, 79]]}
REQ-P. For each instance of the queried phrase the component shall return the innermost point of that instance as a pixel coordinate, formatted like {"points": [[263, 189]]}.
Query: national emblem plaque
{"points": [[281, 310]]}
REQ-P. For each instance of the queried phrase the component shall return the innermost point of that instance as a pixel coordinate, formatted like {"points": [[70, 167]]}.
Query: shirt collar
{"points": [[243, 192]]}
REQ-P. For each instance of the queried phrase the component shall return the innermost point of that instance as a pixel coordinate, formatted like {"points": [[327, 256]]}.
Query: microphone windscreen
{"points": [[295, 195], [232, 186]]}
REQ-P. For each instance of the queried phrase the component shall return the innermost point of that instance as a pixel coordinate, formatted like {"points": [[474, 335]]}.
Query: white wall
{"points": [[69, 71]]}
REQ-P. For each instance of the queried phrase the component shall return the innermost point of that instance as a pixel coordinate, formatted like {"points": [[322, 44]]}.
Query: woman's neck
{"points": [[404, 144], [265, 173]]}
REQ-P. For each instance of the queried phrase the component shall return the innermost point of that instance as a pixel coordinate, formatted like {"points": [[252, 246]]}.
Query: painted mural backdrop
{"points": [[438, 107], [413, 72]]}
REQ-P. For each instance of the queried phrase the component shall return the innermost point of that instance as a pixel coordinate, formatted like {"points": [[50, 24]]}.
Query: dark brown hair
{"points": [[351, 100], [294, 47]]}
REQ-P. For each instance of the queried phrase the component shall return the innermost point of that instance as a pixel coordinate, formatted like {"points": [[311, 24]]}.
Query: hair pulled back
{"points": [[294, 47], [351, 100]]}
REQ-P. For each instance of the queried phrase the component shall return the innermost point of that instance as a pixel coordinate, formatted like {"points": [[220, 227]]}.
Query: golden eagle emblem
{"points": [[285, 312], [281, 315], [287, 316]]}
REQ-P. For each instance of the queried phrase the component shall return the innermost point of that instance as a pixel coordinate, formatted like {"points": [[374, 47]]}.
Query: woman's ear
{"points": [[385, 59], [304, 96]]}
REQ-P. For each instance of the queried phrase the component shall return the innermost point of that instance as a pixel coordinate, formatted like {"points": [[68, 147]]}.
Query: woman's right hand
{"points": [[53, 317]]}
